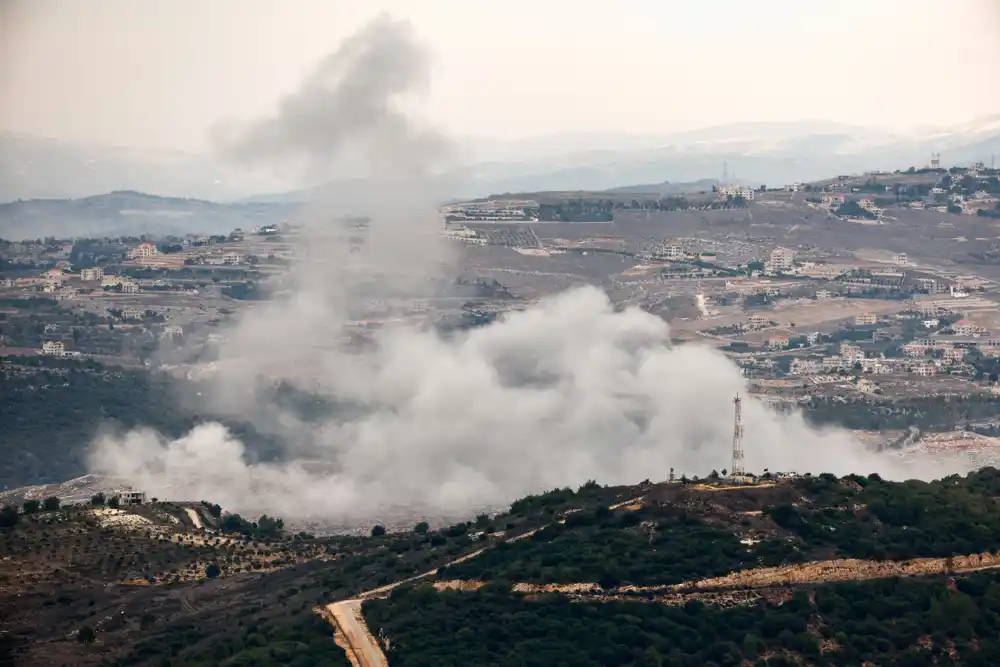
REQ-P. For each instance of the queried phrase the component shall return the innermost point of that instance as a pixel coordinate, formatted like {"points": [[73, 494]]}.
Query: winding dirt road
{"points": [[352, 633]]}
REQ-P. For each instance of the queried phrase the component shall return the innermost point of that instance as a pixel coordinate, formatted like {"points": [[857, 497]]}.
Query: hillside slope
{"points": [[150, 585]]}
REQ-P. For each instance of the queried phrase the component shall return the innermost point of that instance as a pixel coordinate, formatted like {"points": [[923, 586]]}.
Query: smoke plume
{"points": [[349, 113], [569, 390], [564, 392]]}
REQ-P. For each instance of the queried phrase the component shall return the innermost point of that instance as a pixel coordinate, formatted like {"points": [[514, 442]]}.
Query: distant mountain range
{"points": [[666, 188], [753, 153], [129, 213], [34, 167]]}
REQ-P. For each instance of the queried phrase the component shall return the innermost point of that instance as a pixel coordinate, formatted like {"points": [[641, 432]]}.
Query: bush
{"points": [[378, 530], [50, 504], [86, 635], [212, 571], [98, 500], [9, 516], [31, 506]]}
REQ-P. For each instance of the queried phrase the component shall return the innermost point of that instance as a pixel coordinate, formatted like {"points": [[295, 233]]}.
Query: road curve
{"points": [[360, 642], [363, 650]]}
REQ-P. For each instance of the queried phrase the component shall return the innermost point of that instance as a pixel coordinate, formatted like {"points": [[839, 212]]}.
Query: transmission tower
{"points": [[737, 470]]}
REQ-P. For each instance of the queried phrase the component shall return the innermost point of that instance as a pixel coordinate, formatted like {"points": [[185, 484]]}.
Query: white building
{"points": [[232, 258], [95, 273], [173, 330], [871, 207], [56, 348], [865, 319], [851, 353], [782, 259], [954, 355], [129, 496], [112, 281], [671, 251], [129, 287], [800, 366], [736, 191], [758, 322], [968, 328], [925, 369], [143, 250], [777, 342], [900, 258]]}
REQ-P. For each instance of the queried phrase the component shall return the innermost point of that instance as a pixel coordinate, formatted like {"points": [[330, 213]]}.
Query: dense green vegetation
{"points": [[609, 548], [871, 518], [819, 517], [50, 415], [937, 412], [301, 639], [890, 623]]}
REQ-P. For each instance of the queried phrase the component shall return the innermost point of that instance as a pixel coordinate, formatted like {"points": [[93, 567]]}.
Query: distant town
{"points": [[866, 289]]}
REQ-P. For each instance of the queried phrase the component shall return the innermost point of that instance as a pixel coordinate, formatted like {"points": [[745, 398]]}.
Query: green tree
{"points": [[212, 571], [9, 516], [50, 504], [114, 502], [86, 635], [378, 530], [421, 528], [31, 506], [98, 500]]}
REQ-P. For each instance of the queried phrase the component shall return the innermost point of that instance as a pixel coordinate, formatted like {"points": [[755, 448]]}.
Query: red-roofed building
{"points": [[777, 342], [968, 328]]}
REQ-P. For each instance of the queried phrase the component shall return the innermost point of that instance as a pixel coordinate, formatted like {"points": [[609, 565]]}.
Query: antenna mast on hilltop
{"points": [[737, 470]]}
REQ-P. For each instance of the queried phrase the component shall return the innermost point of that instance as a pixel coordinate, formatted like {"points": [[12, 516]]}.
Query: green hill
{"points": [[646, 571]]}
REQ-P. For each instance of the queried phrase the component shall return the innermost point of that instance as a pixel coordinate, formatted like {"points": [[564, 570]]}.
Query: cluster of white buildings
{"points": [[737, 191], [494, 210], [465, 235], [126, 284]]}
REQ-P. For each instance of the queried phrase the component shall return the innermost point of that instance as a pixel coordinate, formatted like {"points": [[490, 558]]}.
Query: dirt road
{"points": [[362, 649], [361, 645], [195, 519]]}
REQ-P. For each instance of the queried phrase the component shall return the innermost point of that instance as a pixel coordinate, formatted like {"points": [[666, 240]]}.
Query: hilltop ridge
{"points": [[172, 579]]}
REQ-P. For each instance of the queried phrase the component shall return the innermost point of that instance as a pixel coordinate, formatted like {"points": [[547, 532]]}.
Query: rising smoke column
{"points": [[566, 391]]}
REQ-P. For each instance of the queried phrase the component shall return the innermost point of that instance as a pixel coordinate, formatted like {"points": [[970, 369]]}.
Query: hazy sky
{"points": [[158, 73]]}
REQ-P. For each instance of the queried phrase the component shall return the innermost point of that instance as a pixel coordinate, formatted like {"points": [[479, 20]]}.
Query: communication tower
{"points": [[737, 469], [935, 160]]}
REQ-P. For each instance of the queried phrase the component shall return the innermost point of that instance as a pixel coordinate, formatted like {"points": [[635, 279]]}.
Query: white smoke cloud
{"points": [[566, 391]]}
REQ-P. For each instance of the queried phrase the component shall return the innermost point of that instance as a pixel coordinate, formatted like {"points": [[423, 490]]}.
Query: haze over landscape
{"points": [[366, 335], [567, 391], [575, 105]]}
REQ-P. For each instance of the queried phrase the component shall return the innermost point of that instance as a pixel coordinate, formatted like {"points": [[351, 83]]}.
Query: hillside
{"points": [[129, 213], [666, 188], [186, 584]]}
